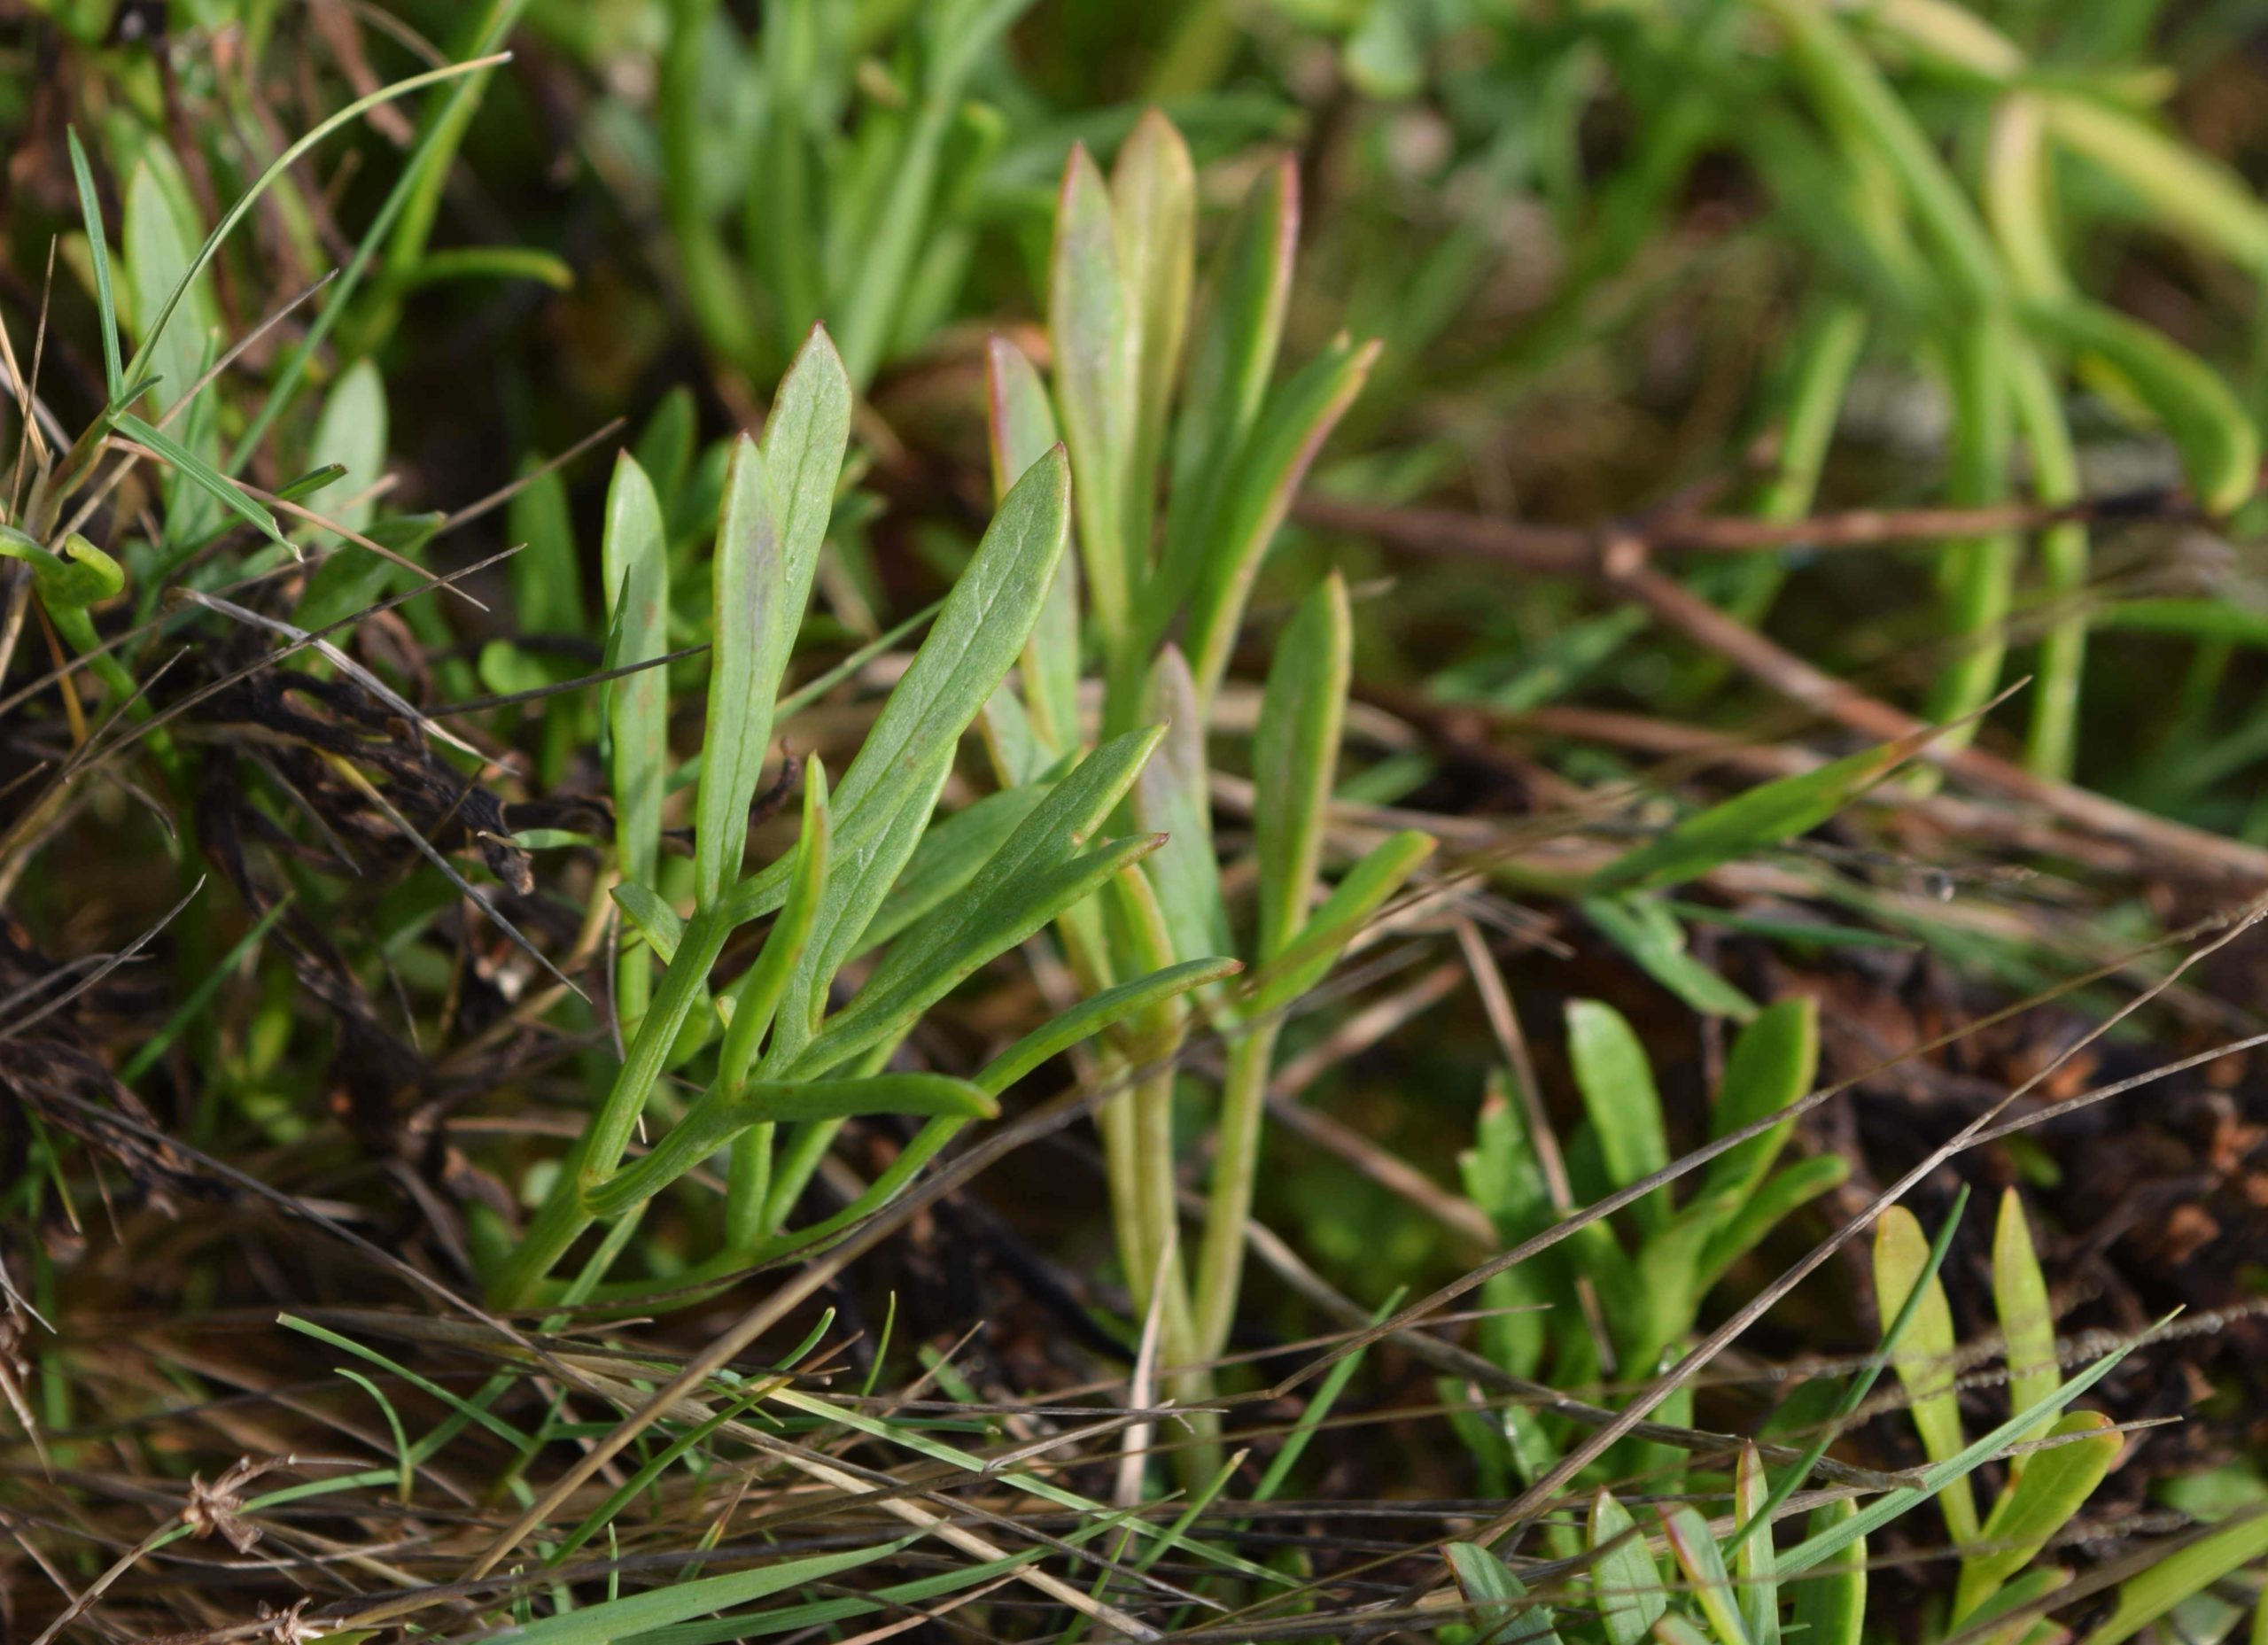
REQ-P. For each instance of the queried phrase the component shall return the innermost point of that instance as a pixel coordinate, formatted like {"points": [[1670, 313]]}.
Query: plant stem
{"points": [[1121, 1157], [566, 1212], [2052, 739], [1220, 1266], [1975, 576]]}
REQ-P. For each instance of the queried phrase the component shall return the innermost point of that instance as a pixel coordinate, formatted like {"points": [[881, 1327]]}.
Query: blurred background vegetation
{"points": [[1732, 293]]}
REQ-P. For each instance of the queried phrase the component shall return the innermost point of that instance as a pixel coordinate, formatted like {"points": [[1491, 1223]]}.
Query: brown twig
{"points": [[1685, 531], [1619, 564]]}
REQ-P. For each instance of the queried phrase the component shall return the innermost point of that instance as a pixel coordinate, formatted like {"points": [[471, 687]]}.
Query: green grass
{"points": [[1069, 823]]}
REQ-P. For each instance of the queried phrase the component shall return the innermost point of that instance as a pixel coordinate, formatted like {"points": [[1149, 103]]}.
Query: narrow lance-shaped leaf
{"points": [[2027, 1318], [1502, 1610], [1753, 1560], [951, 853], [805, 439], [753, 1006], [1154, 204], [1696, 1552], [1925, 1362], [1766, 816], [547, 573], [1295, 760], [1891, 1504], [2031, 1589], [1091, 1016], [1172, 796], [1831, 1604], [887, 795], [1225, 553], [2065, 553], [936, 953], [1342, 917], [1770, 1067], [1021, 425], [2183, 1573], [1233, 349], [905, 203], [1772, 1202], [2179, 183], [2019, 189], [664, 448], [778, 499], [1976, 573], [161, 226], [1858, 101], [720, 1118], [349, 580], [753, 1001], [1626, 1585], [2047, 1496], [351, 432], [1617, 1083], [1095, 383], [1044, 897], [750, 588], [633, 558], [1654, 938], [1082, 1022]]}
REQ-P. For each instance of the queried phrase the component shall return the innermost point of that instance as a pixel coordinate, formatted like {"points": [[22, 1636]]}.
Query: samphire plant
{"points": [[1617, 1303], [1688, 1582], [1185, 450], [867, 868], [2047, 1490]]}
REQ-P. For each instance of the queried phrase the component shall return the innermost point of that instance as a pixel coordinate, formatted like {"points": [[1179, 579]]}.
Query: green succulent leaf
{"points": [[633, 560], [1831, 1604], [1925, 1361], [2048, 1496], [1617, 1083], [1295, 761], [2027, 1317], [1626, 1585], [1697, 1556]]}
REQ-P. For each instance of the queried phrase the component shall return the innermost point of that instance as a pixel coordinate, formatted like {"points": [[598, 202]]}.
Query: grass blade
{"points": [[1768, 815], [154, 326], [91, 212], [610, 1620]]}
